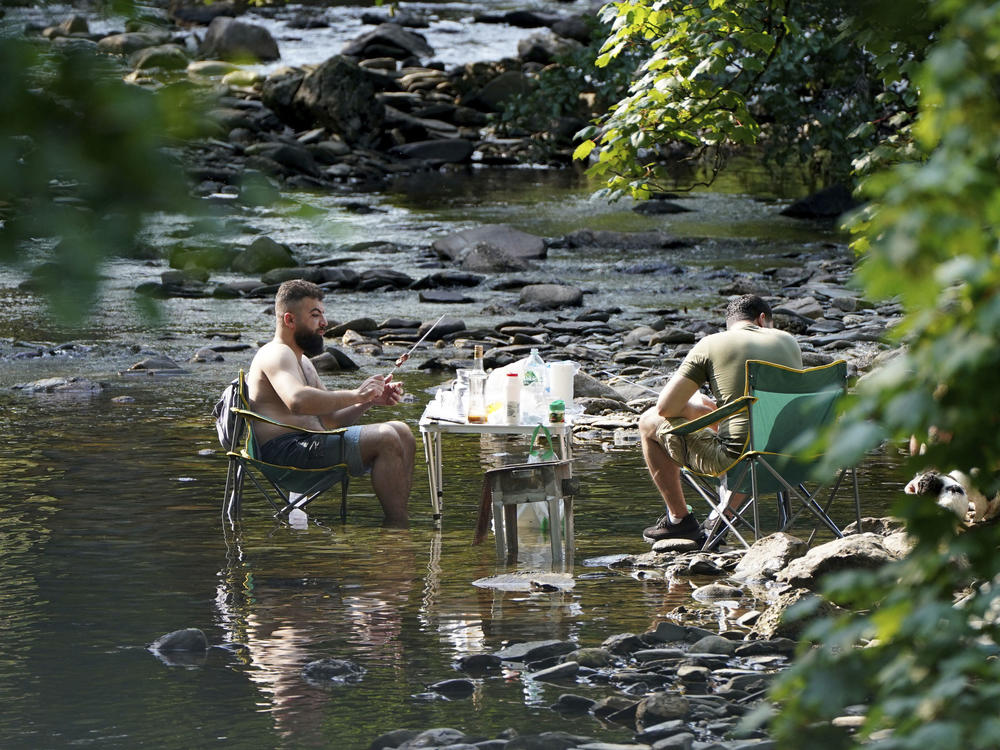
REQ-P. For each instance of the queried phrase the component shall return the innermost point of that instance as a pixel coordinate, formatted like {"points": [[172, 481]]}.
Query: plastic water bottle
{"points": [[534, 410]]}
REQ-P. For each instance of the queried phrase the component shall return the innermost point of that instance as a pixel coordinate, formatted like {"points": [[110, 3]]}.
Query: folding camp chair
{"points": [[782, 404], [291, 486]]}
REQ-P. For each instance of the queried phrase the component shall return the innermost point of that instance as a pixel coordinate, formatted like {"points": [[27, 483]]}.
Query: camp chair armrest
{"points": [[261, 418], [721, 414]]}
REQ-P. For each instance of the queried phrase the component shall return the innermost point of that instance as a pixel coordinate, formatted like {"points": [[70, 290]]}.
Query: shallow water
{"points": [[112, 536]]}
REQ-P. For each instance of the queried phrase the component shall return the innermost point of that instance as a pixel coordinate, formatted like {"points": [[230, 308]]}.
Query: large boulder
{"points": [[229, 39], [774, 623], [341, 96], [262, 255], [855, 552], [388, 40], [767, 556], [826, 204], [513, 242]]}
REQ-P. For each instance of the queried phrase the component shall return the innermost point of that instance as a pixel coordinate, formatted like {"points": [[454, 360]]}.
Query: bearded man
{"points": [[283, 385]]}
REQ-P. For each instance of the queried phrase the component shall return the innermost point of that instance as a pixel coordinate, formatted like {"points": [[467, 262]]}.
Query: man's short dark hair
{"points": [[747, 307], [293, 291]]}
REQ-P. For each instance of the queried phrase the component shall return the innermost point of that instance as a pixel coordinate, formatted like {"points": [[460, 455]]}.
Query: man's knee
{"points": [[649, 423]]}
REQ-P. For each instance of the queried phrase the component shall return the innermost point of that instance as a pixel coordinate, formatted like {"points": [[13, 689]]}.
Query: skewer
{"points": [[403, 357]]}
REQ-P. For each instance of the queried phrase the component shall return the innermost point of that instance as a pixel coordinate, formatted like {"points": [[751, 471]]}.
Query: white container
{"points": [[561, 376], [512, 388]]}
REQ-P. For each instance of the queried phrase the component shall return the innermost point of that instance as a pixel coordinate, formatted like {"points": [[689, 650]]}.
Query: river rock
{"points": [[484, 257], [499, 90], [659, 207], [444, 297], [454, 688], [566, 670], [341, 96], [229, 39], [715, 644], [660, 707], [544, 48], [806, 307], [767, 556], [621, 240], [388, 40], [156, 362], [395, 738], [480, 663], [131, 41], [512, 241], [381, 278], [772, 622], [295, 158], [188, 639], [715, 592], [281, 275], [587, 386], [441, 151], [826, 204], [532, 651], [444, 280], [673, 546], [332, 671], [446, 326], [73, 386], [163, 56], [262, 255], [855, 552], [550, 296]]}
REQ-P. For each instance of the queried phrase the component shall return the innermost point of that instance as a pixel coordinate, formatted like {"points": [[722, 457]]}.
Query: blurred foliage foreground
{"points": [[84, 161]]}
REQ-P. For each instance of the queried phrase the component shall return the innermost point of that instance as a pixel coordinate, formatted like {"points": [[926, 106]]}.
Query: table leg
{"points": [[430, 458]]}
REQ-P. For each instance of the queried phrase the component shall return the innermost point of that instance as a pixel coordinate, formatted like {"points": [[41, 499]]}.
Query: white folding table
{"points": [[433, 426]]}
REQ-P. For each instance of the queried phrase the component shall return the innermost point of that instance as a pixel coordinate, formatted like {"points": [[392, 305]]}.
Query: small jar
{"points": [[557, 412]]}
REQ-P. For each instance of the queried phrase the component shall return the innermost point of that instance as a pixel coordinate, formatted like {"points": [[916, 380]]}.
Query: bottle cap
{"points": [[511, 374], [557, 405], [477, 351]]}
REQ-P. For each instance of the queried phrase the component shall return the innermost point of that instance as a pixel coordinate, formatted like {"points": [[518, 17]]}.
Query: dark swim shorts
{"points": [[317, 451]]}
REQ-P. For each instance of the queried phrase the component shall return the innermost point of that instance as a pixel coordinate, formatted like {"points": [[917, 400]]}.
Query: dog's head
{"points": [[947, 492]]}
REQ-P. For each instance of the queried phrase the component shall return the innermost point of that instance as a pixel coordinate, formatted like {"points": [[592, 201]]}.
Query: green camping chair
{"points": [[284, 487], [782, 403]]}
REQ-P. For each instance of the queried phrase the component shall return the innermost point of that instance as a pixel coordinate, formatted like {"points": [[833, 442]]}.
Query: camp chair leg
{"points": [[807, 499], [343, 498]]}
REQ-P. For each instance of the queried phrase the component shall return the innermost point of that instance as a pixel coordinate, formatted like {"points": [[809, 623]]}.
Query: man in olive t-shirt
{"points": [[718, 360]]}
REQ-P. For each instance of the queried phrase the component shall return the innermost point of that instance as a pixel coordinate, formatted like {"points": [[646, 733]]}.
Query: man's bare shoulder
{"points": [[273, 354]]}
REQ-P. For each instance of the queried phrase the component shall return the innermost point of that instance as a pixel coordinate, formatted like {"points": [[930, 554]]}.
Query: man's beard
{"points": [[309, 342]]}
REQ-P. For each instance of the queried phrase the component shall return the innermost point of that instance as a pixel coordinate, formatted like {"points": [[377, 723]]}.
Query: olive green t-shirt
{"points": [[719, 359]]}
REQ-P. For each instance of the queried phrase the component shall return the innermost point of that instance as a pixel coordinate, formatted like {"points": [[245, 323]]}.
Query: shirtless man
{"points": [[718, 360], [283, 385]]}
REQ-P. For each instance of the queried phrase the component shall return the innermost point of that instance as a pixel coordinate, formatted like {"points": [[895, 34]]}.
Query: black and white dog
{"points": [[954, 491]]}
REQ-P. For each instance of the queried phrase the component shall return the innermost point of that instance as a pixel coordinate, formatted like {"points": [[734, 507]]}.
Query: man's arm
{"points": [[288, 380], [674, 398]]}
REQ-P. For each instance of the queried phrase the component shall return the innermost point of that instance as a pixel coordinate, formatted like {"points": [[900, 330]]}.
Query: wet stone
{"points": [[480, 663], [535, 650], [569, 703], [565, 671], [455, 688]]}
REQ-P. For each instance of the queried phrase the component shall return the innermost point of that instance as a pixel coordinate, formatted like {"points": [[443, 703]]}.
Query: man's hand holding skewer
{"points": [[379, 390]]}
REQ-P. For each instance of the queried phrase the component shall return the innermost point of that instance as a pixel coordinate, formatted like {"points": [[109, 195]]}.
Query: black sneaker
{"points": [[687, 528]]}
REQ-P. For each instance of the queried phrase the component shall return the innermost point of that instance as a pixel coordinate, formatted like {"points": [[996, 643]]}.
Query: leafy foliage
{"points": [[928, 669], [85, 161], [572, 86], [724, 75]]}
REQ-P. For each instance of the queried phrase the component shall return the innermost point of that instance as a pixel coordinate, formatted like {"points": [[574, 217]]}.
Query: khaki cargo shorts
{"points": [[703, 451]]}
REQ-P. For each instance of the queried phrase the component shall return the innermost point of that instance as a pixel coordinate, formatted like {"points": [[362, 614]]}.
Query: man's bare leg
{"points": [[665, 473], [389, 448]]}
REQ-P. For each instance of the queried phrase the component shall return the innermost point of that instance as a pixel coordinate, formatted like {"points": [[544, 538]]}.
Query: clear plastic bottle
{"points": [[534, 410]]}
